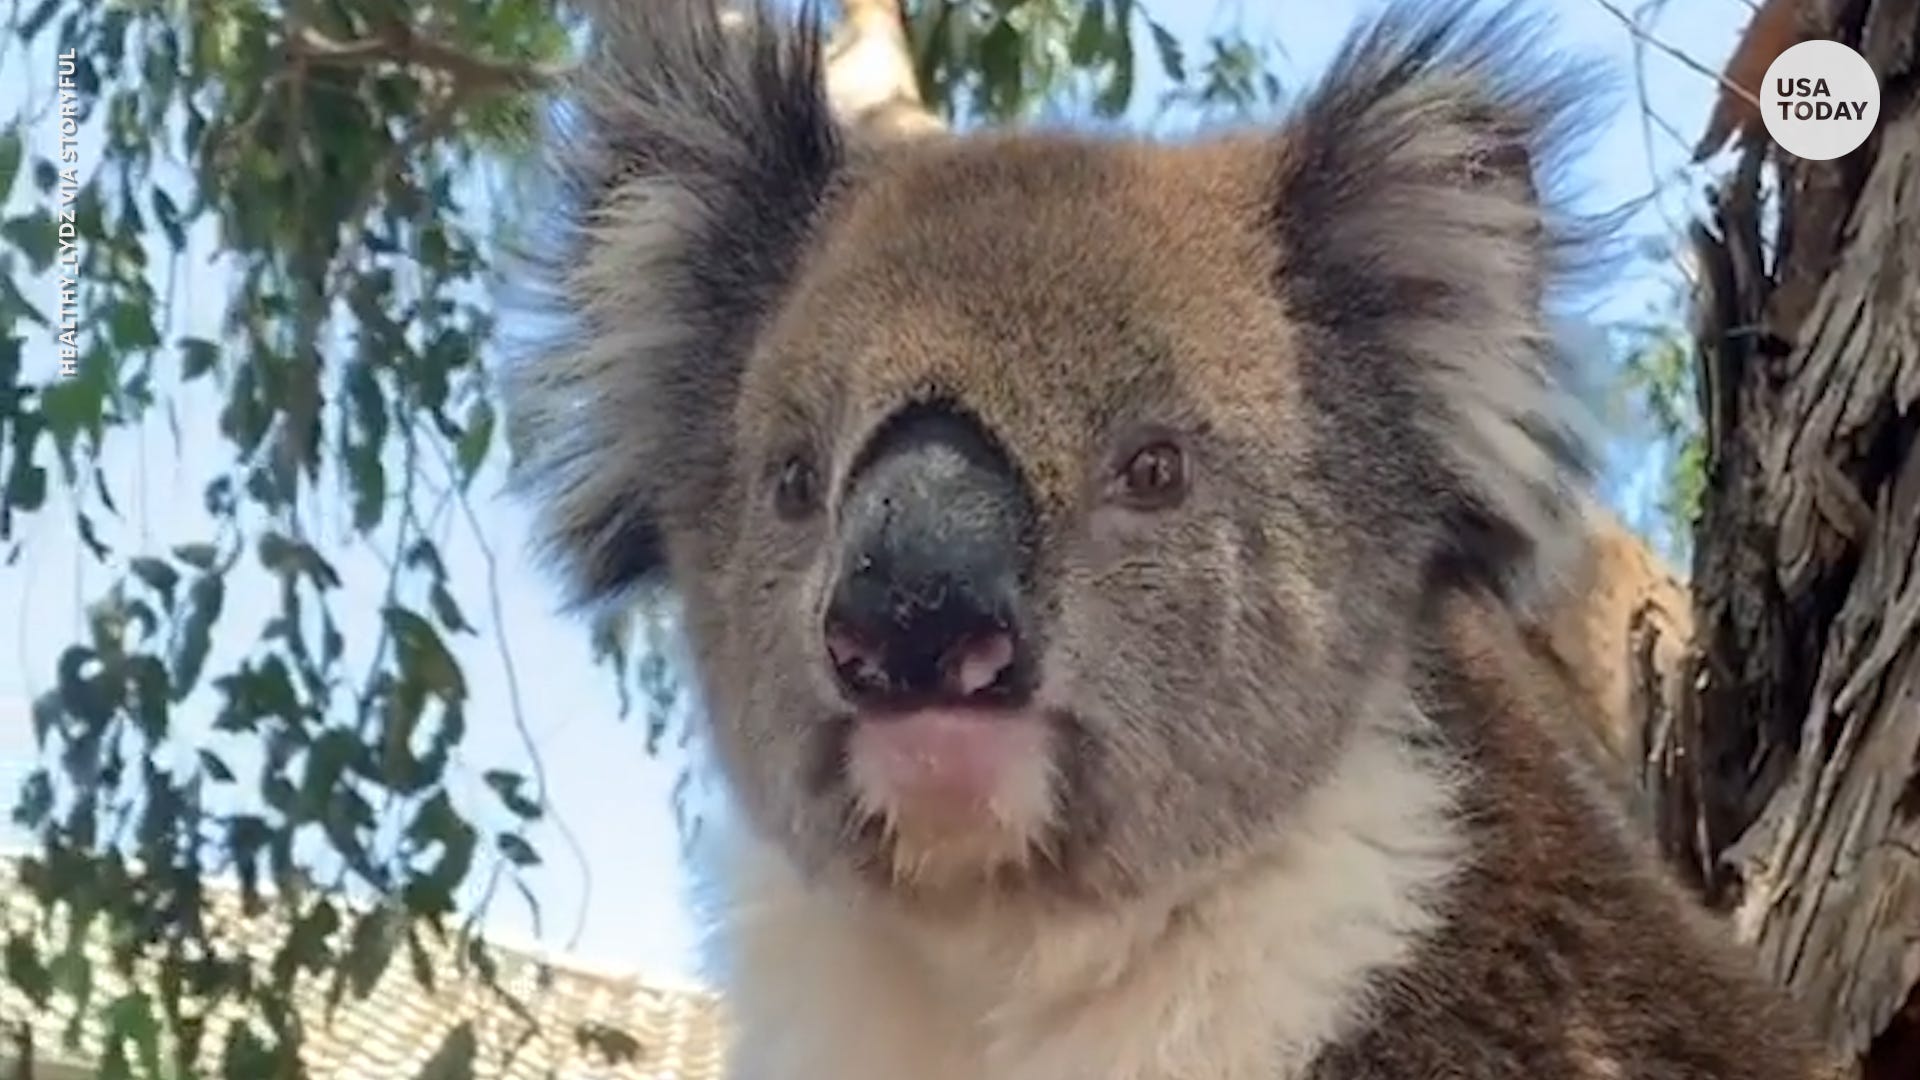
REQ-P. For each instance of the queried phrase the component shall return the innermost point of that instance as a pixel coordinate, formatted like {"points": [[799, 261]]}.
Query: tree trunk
{"points": [[1781, 769]]}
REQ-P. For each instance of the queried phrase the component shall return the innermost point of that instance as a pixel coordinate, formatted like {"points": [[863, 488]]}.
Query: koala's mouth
{"points": [[949, 759], [960, 792]]}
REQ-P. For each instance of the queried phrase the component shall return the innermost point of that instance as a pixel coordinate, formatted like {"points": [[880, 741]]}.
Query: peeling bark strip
{"points": [[1788, 783], [1736, 112]]}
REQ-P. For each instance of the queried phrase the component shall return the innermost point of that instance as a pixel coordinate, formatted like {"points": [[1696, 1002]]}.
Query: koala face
{"points": [[1039, 558], [1048, 509]]}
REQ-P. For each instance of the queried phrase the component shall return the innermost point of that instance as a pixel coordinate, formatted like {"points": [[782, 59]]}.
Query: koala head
{"points": [[1048, 509]]}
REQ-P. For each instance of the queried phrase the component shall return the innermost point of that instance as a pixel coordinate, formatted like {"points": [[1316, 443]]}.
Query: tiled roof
{"points": [[675, 1031]]}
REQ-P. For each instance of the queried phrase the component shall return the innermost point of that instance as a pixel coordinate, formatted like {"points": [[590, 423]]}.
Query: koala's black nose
{"points": [[927, 605]]}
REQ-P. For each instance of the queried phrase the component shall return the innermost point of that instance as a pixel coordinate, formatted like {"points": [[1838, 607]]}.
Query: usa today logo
{"points": [[1820, 100]]}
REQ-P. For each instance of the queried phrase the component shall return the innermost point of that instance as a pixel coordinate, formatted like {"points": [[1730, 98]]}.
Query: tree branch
{"points": [[870, 72], [401, 46]]}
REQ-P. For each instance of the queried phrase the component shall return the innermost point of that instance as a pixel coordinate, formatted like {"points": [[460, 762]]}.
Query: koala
{"points": [[1101, 562]]}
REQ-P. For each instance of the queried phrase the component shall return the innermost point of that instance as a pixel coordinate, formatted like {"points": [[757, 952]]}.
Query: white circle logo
{"points": [[1819, 100]]}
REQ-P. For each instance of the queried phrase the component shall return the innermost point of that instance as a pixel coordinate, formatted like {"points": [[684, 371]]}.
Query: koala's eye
{"points": [[1154, 477], [796, 489]]}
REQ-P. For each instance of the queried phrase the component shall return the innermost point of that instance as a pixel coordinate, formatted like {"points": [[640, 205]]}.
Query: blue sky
{"points": [[619, 900]]}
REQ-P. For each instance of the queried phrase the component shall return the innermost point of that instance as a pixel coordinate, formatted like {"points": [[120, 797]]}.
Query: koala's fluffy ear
{"points": [[692, 151], [1414, 226]]}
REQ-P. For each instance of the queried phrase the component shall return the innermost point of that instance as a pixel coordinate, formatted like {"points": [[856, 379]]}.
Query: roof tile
{"points": [[391, 1033]]}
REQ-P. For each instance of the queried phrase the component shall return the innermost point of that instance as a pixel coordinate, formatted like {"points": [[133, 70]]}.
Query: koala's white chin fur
{"points": [[1202, 983], [935, 841]]}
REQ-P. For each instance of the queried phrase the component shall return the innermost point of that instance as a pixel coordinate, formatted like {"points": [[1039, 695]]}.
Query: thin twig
{"points": [[1636, 30]]}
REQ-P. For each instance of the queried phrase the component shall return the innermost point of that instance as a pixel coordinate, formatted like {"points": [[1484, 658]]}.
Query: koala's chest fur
{"points": [[1247, 978]]}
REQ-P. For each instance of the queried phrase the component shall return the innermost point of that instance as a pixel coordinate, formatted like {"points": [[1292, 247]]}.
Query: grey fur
{"points": [[719, 139]]}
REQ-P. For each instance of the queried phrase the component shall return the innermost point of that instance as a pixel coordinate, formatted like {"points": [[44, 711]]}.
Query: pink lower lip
{"points": [[953, 755]]}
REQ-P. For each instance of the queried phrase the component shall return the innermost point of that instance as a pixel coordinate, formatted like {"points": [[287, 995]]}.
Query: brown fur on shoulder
{"points": [[1568, 952]]}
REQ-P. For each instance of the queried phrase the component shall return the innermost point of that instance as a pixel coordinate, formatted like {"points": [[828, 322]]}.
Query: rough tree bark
{"points": [[1779, 756]]}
